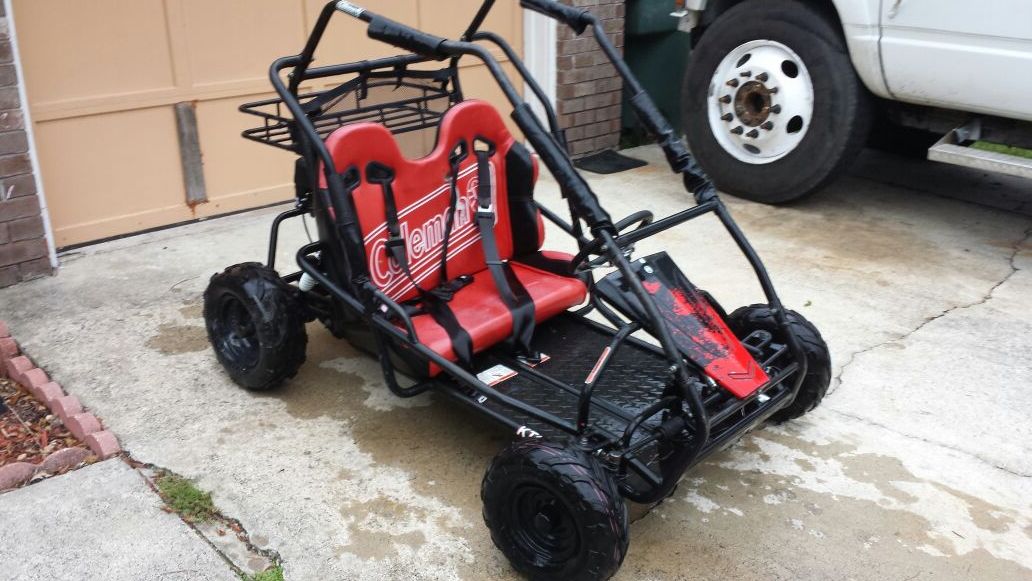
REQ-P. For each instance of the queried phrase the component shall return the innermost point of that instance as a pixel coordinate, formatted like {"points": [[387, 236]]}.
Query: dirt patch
{"points": [[795, 533], [885, 473], [984, 515], [192, 309], [443, 447], [178, 339], [373, 524]]}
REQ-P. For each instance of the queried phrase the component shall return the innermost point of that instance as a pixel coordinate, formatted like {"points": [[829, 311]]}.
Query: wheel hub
{"points": [[235, 332], [760, 102], [752, 103], [544, 529]]}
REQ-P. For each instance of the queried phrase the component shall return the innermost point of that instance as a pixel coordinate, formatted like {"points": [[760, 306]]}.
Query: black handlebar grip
{"points": [[578, 19], [408, 38]]}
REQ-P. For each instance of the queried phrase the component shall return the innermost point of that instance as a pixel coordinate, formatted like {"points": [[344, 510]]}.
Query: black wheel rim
{"points": [[236, 335], [543, 527]]}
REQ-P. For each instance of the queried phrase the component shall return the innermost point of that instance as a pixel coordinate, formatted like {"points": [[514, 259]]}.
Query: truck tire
{"points": [[256, 325], [554, 512], [746, 320], [773, 108]]}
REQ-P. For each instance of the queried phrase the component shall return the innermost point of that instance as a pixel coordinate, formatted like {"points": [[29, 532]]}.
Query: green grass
{"points": [[1004, 149], [274, 574], [192, 503]]}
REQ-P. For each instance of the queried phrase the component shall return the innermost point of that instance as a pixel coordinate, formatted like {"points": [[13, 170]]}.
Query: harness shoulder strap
{"points": [[435, 301], [511, 290], [455, 159]]}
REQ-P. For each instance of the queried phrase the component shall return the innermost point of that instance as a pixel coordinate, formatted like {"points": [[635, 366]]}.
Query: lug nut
{"points": [[768, 126], [732, 83], [727, 117], [737, 130], [753, 134], [773, 90], [762, 77], [746, 74], [775, 109], [725, 99]]}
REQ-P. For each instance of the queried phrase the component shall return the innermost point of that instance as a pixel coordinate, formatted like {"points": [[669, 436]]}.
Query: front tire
{"points": [[256, 325], [746, 320], [554, 512], [773, 108]]}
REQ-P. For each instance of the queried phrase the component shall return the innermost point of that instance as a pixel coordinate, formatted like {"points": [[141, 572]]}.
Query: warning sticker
{"points": [[495, 375]]}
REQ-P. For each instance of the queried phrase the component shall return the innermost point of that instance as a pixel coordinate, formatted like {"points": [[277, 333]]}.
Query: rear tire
{"points": [[256, 325], [819, 111], [818, 371], [554, 512]]}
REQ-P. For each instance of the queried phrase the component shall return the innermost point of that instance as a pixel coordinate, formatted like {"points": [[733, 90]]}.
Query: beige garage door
{"points": [[104, 76]]}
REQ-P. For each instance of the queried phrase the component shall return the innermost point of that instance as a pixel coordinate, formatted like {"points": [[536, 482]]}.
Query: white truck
{"points": [[780, 95]]}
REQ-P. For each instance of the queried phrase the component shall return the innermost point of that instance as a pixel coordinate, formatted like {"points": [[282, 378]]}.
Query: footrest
{"points": [[634, 378]]}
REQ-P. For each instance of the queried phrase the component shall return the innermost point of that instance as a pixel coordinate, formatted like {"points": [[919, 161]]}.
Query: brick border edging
{"points": [[82, 424]]}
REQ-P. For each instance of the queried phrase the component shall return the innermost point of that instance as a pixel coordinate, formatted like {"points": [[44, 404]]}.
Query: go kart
{"points": [[613, 371]]}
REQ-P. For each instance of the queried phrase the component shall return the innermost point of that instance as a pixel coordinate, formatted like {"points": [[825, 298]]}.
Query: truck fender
{"points": [[860, 23]]}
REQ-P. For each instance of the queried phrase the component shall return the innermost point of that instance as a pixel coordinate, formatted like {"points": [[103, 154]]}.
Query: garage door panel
{"points": [[233, 164], [346, 40], [477, 83], [65, 58], [235, 40], [505, 19], [101, 171], [104, 78]]}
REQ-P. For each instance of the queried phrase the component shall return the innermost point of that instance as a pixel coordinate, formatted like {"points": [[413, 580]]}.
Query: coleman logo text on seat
{"points": [[422, 226]]}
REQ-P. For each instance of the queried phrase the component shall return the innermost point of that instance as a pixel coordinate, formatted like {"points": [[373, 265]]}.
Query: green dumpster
{"points": [[658, 54]]}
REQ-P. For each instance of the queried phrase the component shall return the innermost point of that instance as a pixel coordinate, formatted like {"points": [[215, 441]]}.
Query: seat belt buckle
{"points": [[487, 211]]}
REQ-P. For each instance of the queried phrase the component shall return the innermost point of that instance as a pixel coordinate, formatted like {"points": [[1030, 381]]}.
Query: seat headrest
{"points": [[361, 143]]}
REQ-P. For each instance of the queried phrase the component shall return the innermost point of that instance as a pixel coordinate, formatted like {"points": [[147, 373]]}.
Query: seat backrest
{"points": [[422, 193]]}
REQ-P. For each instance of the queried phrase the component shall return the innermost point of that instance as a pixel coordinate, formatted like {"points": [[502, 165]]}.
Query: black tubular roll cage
{"points": [[361, 298]]}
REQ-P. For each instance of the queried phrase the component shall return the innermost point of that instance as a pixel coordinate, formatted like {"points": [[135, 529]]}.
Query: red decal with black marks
{"points": [[695, 326]]}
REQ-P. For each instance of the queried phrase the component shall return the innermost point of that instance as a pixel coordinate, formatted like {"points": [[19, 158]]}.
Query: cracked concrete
{"points": [[1019, 246], [916, 466], [100, 522]]}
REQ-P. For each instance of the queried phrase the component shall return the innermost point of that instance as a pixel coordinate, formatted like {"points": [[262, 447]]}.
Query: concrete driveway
{"points": [[917, 466]]}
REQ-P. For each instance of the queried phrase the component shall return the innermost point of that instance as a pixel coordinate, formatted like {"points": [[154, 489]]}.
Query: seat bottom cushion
{"points": [[481, 312]]}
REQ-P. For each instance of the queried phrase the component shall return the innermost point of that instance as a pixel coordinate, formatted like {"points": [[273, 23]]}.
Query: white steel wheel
{"points": [[772, 107], [760, 101]]}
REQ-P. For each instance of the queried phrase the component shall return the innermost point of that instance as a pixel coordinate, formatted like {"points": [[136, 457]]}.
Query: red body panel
{"points": [[701, 333], [696, 327]]}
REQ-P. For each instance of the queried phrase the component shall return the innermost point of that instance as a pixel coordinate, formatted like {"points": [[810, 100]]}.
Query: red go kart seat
{"points": [[422, 193]]}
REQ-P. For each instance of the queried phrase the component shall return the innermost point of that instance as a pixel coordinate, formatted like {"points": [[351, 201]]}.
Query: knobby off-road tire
{"points": [[818, 371], [835, 132], [554, 512], [256, 325]]}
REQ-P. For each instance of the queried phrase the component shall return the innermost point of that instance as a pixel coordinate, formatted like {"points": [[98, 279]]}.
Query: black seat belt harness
{"points": [[434, 301], [511, 290]]}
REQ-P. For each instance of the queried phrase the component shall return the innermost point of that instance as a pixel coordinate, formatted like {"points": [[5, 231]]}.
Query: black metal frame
{"points": [[336, 262]]}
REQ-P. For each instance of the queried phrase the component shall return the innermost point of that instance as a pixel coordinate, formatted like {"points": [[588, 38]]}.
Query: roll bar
{"points": [[579, 19], [548, 148]]}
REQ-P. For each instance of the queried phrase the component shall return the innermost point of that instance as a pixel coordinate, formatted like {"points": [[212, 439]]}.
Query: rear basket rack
{"points": [[401, 100]]}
